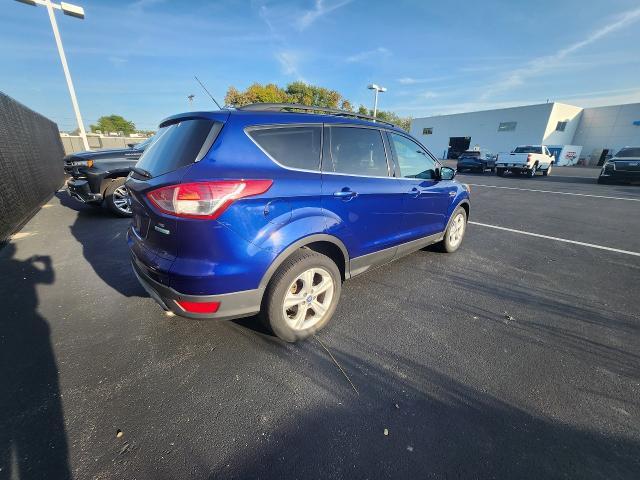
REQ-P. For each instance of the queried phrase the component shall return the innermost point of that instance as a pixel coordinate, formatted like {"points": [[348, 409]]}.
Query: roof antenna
{"points": [[205, 89]]}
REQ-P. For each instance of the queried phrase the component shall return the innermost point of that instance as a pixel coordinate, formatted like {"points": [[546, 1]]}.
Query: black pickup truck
{"points": [[98, 176]]}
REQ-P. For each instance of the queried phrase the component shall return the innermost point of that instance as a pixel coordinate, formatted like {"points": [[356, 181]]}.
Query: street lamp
{"points": [[378, 89], [73, 11]]}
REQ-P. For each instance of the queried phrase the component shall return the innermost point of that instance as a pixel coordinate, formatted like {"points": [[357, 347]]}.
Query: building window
{"points": [[561, 126], [507, 126], [427, 131]]}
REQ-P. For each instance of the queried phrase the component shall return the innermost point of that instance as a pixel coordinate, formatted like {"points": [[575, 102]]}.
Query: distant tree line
{"points": [[305, 94]]}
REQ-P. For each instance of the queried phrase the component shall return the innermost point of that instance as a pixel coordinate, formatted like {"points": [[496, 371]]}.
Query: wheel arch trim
{"points": [[318, 237]]}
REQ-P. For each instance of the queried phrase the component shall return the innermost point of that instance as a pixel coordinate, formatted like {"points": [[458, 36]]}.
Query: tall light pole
{"points": [[377, 89], [74, 11]]}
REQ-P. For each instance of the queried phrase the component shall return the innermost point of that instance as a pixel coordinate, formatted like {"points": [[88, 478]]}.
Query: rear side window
{"points": [[293, 147], [177, 145], [357, 151]]}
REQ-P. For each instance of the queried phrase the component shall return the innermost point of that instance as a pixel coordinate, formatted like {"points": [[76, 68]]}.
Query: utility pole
{"points": [[73, 11], [377, 89]]}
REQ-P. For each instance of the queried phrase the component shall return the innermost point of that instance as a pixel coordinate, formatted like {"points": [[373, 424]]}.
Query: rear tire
{"points": [[455, 231], [532, 173], [116, 197], [302, 295], [500, 172]]}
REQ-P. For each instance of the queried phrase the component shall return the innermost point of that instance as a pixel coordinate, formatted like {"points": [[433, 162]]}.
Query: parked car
{"points": [[526, 159], [262, 210], [476, 161], [98, 176], [624, 166]]}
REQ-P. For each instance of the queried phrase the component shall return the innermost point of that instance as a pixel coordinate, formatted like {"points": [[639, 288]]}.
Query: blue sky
{"points": [[138, 58]]}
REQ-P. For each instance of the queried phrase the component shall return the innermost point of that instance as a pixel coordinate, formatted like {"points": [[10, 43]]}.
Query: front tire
{"points": [[116, 197], [455, 231], [547, 172], [302, 295]]}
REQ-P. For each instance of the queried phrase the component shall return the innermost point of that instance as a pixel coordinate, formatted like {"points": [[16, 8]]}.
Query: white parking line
{"points": [[629, 199], [557, 239]]}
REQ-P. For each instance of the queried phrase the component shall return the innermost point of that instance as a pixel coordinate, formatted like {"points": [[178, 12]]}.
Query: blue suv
{"points": [[268, 208]]}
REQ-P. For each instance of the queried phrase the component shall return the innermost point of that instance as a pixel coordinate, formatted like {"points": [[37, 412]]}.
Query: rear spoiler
{"points": [[218, 116]]}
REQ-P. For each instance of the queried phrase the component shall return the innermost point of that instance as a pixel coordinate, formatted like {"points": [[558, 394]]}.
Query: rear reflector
{"points": [[198, 307], [204, 200]]}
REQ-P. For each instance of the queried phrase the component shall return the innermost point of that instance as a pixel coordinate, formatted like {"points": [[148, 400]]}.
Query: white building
{"points": [[599, 131]]}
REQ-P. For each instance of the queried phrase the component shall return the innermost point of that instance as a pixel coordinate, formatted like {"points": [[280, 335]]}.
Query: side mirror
{"points": [[447, 173], [131, 145]]}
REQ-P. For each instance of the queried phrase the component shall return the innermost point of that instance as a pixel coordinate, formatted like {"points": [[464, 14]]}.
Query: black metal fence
{"points": [[30, 163]]}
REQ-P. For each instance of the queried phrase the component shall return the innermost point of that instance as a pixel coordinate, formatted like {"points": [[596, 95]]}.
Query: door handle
{"points": [[414, 192], [345, 194]]}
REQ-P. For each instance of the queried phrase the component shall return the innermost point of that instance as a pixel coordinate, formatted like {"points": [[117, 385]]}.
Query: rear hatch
{"points": [[179, 143]]}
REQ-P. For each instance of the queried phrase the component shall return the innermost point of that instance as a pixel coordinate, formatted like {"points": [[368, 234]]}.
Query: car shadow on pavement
{"points": [[33, 441], [408, 420], [104, 246]]}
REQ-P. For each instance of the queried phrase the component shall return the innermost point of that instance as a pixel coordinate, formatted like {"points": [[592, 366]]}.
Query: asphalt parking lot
{"points": [[516, 357]]}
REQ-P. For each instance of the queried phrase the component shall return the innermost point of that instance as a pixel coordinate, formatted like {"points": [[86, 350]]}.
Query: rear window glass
{"points": [[293, 147], [357, 151], [528, 149], [175, 146], [628, 153]]}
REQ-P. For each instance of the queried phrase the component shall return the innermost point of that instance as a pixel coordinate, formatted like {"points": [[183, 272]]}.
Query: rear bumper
{"points": [[232, 305]]}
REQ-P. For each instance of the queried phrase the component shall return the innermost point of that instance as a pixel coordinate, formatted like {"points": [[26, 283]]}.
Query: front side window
{"points": [[357, 151], [293, 147], [413, 161]]}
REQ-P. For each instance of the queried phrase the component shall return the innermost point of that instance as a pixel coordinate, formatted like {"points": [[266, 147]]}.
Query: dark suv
{"points": [[265, 210], [98, 176]]}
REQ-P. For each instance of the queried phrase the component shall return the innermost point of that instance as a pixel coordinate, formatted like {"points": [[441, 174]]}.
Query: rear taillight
{"points": [[529, 158], [204, 200]]}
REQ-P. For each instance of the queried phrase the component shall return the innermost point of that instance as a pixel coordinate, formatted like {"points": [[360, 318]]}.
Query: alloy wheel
{"points": [[121, 199], [456, 231], [308, 298]]}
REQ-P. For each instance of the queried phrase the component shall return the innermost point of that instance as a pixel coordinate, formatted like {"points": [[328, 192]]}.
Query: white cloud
{"points": [[368, 54], [289, 63], [319, 9], [549, 62]]}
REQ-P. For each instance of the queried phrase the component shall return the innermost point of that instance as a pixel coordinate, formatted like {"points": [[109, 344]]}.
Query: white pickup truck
{"points": [[527, 159]]}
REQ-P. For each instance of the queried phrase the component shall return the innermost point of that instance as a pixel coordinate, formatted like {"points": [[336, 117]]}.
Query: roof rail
{"points": [[283, 107]]}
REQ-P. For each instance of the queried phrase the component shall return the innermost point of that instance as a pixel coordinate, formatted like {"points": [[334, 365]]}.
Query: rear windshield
{"points": [[629, 153], [175, 146], [528, 149]]}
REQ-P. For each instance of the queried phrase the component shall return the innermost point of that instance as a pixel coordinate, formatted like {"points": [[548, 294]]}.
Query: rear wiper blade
{"points": [[142, 172]]}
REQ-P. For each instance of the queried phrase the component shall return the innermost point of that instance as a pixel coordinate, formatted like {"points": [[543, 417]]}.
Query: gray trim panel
{"points": [[232, 305]]}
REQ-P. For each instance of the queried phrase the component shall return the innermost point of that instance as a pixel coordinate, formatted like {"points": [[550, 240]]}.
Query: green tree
{"points": [[114, 124], [305, 94], [346, 105]]}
